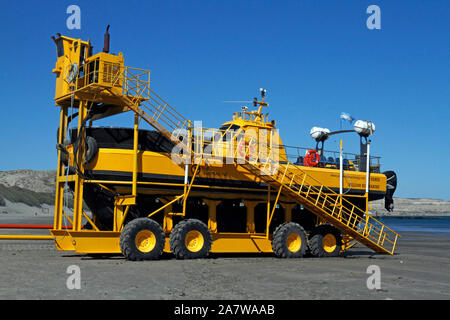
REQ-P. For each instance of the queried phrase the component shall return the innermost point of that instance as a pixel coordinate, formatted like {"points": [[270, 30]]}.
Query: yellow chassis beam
{"points": [[108, 242]]}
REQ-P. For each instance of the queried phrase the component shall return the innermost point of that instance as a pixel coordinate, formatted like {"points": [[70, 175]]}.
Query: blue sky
{"points": [[315, 58]]}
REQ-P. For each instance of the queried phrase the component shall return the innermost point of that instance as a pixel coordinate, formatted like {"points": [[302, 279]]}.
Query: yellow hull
{"points": [[158, 174]]}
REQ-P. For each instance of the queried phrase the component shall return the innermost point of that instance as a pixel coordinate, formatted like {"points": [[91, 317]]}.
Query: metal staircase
{"points": [[327, 204], [138, 96]]}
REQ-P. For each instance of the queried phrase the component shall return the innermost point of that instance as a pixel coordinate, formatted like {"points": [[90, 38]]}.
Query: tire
{"points": [[142, 239], [190, 239], [289, 240], [91, 149], [325, 241]]}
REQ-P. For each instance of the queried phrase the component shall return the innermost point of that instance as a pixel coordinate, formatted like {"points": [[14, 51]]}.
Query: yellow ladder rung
{"points": [[307, 193], [340, 212], [318, 195], [381, 232], [292, 180], [384, 238], [160, 112], [324, 200], [334, 206], [303, 181], [349, 219], [351, 212]]}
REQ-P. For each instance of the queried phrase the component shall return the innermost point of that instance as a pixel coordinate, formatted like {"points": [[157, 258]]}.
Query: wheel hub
{"points": [[145, 241], [293, 242], [194, 241], [329, 242]]}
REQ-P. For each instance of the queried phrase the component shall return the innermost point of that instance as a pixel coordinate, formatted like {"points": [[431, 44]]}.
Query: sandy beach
{"points": [[418, 270]]}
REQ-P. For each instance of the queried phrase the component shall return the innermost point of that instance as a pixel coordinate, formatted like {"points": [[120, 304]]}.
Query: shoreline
{"points": [[413, 217]]}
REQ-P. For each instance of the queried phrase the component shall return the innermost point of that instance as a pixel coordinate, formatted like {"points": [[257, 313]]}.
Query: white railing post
{"points": [[367, 166], [341, 170]]}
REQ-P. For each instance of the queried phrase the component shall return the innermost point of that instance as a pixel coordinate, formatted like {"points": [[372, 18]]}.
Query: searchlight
{"points": [[319, 134], [364, 127]]}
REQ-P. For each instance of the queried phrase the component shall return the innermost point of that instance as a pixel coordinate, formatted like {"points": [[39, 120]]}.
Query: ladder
{"points": [[332, 207], [153, 109], [291, 180]]}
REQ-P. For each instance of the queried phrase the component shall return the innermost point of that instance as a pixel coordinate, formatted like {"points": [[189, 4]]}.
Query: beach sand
{"points": [[418, 270]]}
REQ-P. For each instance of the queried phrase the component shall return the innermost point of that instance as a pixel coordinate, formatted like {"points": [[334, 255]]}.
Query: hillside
{"points": [[28, 192], [34, 180]]}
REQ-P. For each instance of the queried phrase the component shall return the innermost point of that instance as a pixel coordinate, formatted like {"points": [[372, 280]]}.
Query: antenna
{"points": [[263, 92], [236, 101], [260, 103]]}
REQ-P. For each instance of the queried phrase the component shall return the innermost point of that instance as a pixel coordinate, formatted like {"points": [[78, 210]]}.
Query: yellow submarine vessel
{"points": [[181, 188]]}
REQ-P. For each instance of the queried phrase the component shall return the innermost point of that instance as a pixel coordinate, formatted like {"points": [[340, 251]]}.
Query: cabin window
{"points": [[233, 127], [226, 127]]}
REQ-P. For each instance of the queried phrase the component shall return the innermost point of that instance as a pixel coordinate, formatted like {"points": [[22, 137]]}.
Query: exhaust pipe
{"points": [[106, 41]]}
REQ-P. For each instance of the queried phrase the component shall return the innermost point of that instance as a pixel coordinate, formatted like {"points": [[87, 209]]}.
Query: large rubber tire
{"points": [[91, 149], [325, 241], [289, 240], [190, 239], [142, 239]]}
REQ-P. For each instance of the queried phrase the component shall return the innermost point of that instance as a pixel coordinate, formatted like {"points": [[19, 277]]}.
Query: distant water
{"points": [[429, 224]]}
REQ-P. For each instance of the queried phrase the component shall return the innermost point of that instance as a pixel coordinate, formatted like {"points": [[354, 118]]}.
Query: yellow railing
{"points": [[134, 85], [250, 115], [99, 73], [154, 109]]}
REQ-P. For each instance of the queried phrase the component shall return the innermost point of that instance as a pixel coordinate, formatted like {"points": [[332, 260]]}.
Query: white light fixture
{"points": [[319, 134], [364, 127]]}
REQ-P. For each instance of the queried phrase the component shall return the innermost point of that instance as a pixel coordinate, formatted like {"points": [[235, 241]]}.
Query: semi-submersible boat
{"points": [[189, 190], [112, 160]]}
